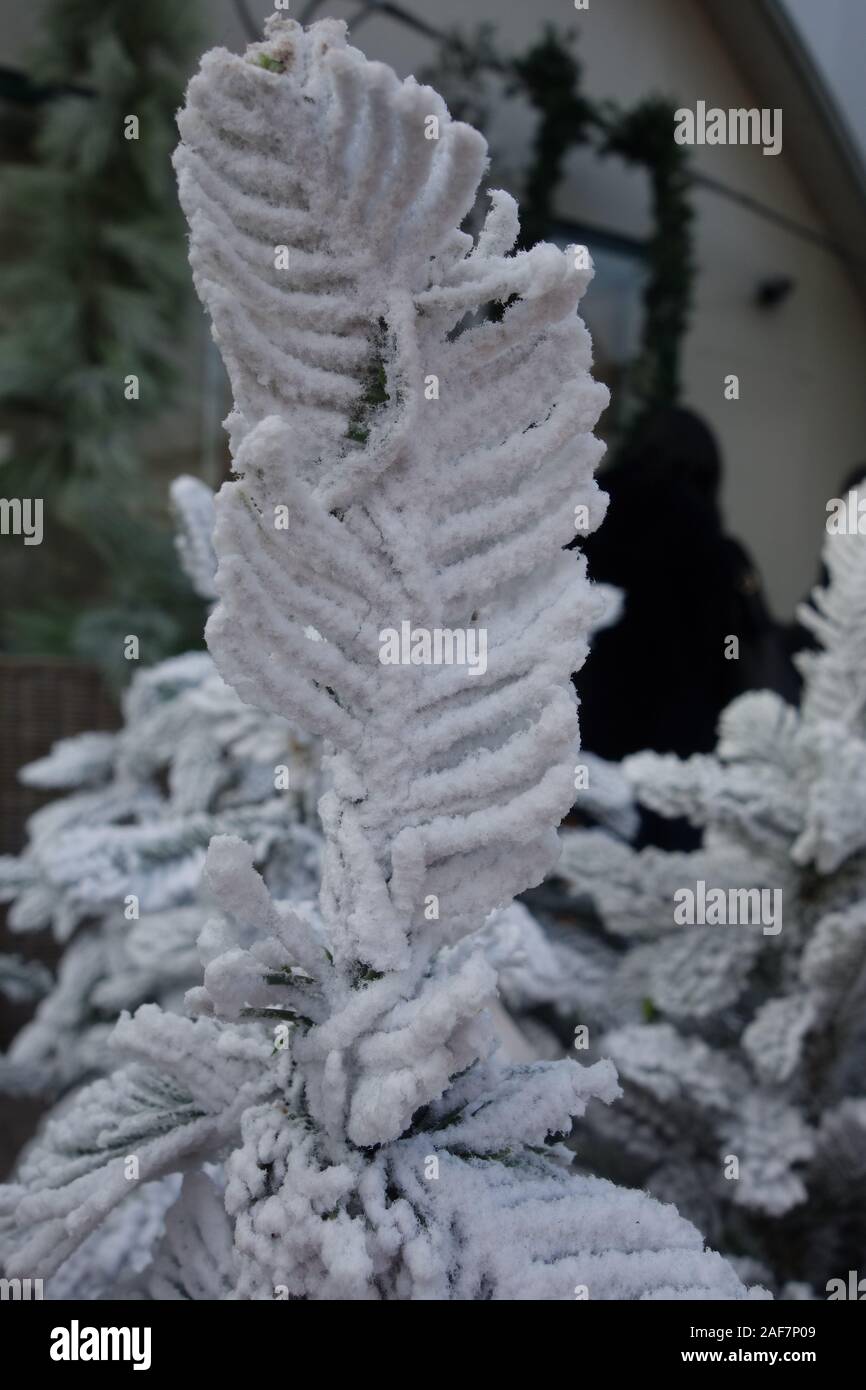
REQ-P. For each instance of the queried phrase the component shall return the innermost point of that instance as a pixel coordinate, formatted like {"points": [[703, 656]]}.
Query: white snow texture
{"points": [[375, 1144]]}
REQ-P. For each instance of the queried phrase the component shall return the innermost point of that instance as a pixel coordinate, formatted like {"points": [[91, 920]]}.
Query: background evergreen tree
{"points": [[741, 1049], [94, 293]]}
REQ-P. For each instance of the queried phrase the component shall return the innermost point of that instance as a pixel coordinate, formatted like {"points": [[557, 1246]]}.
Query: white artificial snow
{"points": [[190, 762], [756, 1045], [377, 1145]]}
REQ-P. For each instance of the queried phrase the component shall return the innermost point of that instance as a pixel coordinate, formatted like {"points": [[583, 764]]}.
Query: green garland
{"points": [[644, 136], [549, 76]]}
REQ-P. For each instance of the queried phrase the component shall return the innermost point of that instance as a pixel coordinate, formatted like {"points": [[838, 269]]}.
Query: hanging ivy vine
{"points": [[549, 76], [644, 136]]}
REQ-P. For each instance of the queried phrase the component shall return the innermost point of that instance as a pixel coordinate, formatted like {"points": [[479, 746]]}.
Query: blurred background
{"points": [[712, 263]]}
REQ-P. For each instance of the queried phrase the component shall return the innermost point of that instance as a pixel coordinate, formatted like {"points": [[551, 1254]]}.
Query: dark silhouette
{"points": [[659, 678]]}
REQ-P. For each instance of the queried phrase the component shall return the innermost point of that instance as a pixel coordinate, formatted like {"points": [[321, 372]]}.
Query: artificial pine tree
{"points": [[339, 1066], [113, 867], [741, 1048]]}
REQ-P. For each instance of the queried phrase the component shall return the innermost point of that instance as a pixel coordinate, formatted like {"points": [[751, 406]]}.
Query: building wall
{"points": [[800, 422]]}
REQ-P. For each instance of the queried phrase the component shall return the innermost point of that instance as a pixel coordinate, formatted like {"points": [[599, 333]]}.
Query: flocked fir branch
{"points": [[744, 1042], [338, 1070], [112, 867]]}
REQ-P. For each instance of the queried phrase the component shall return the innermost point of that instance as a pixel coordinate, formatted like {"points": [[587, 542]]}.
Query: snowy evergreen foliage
{"points": [[22, 980], [741, 1048], [113, 867], [193, 504], [341, 1063]]}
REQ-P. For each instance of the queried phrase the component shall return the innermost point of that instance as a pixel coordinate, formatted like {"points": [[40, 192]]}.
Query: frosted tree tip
{"points": [[282, 46]]}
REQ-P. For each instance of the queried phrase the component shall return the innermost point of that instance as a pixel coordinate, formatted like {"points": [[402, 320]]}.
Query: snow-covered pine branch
{"points": [[835, 674], [381, 1149], [193, 506], [732, 1041], [113, 866]]}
